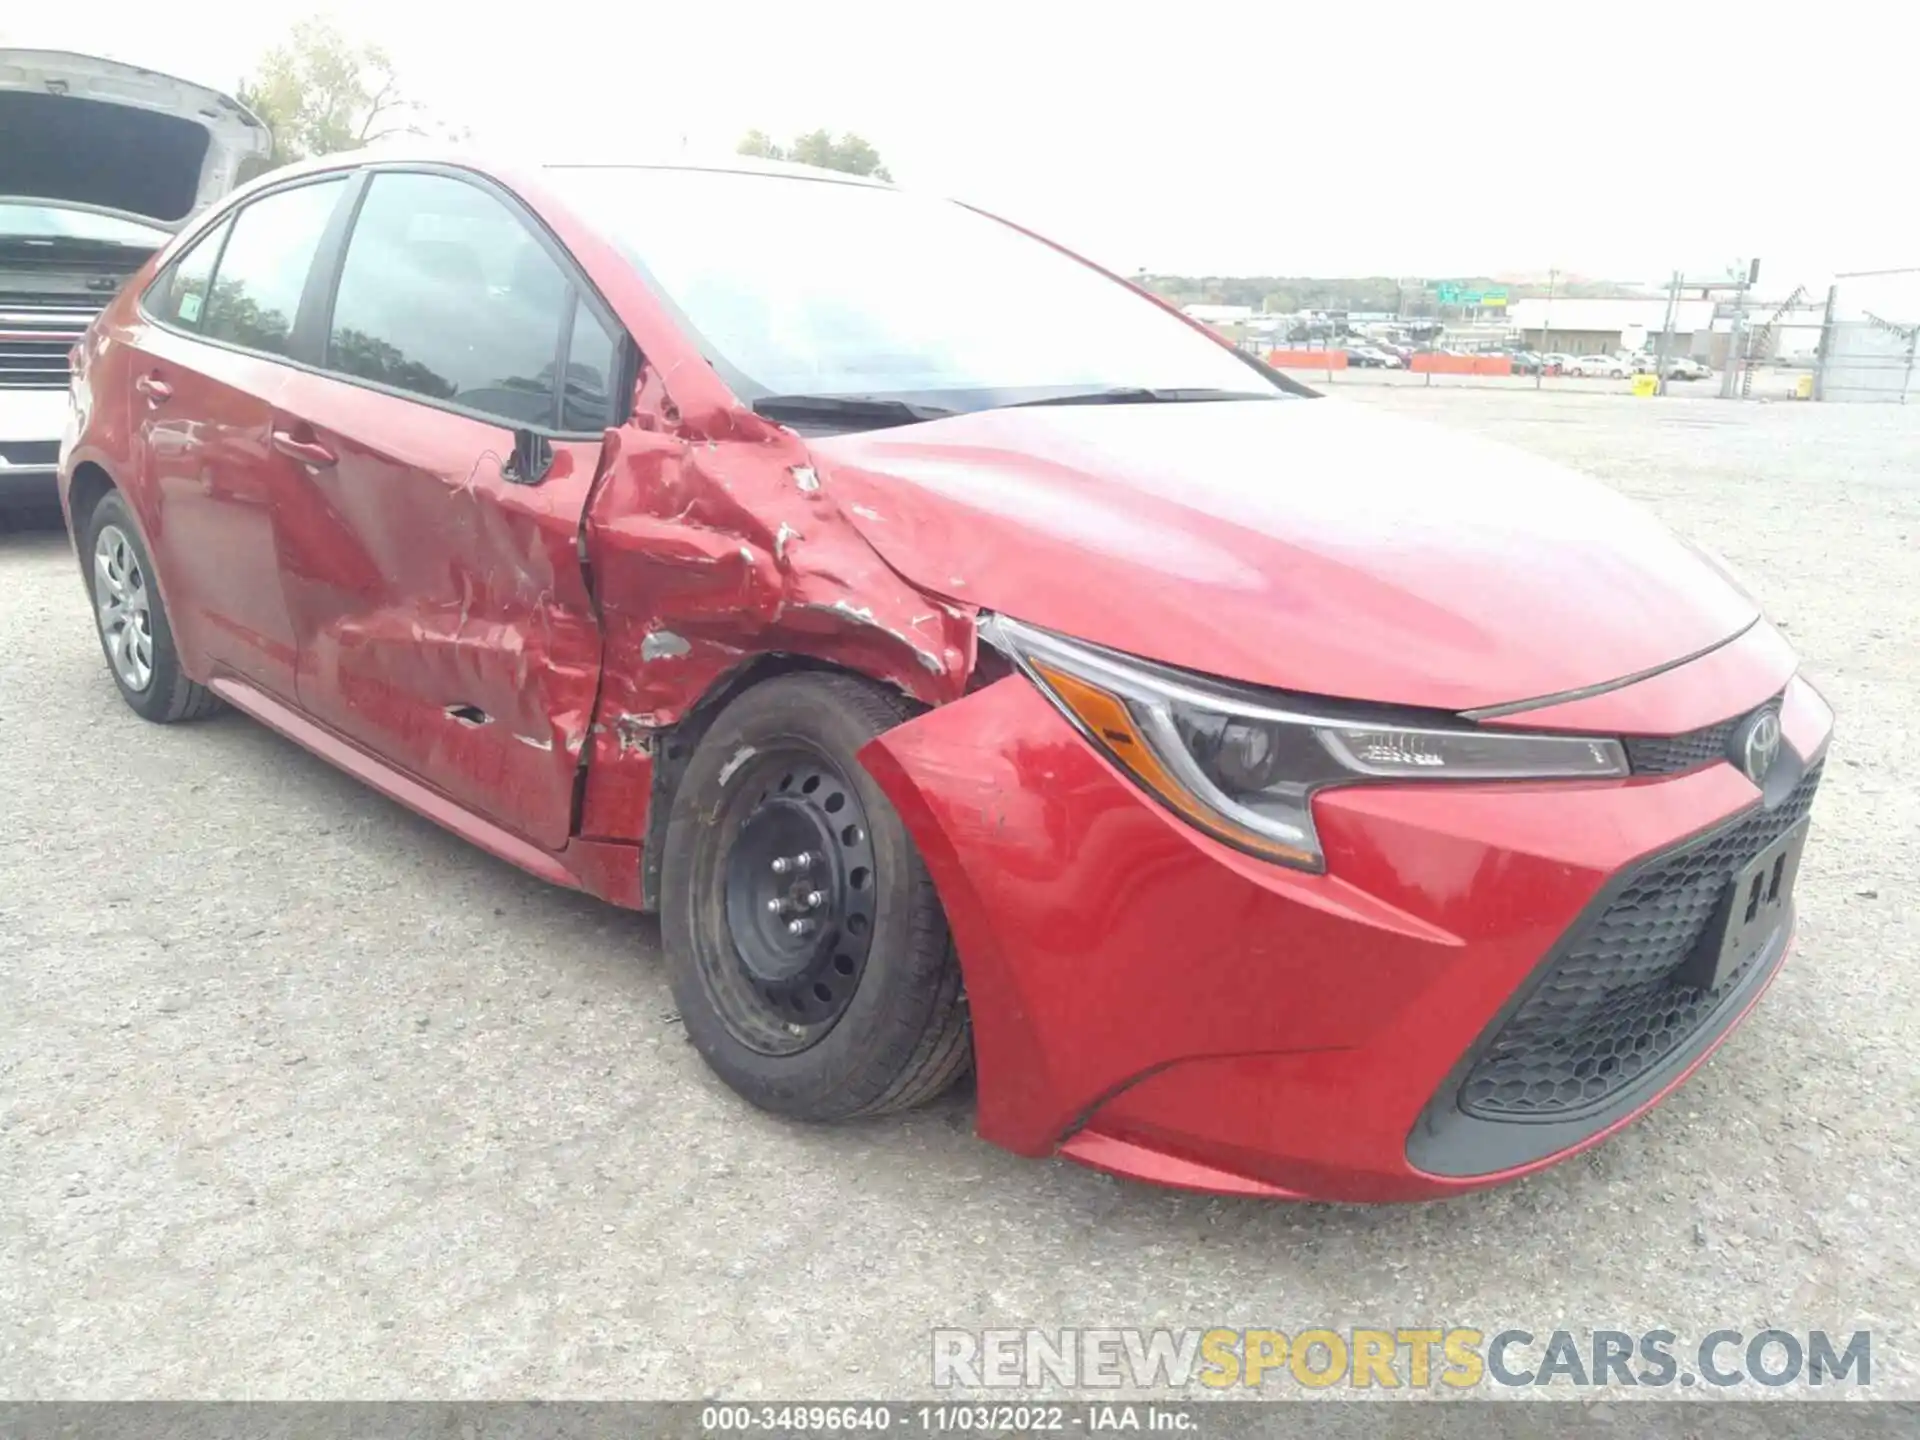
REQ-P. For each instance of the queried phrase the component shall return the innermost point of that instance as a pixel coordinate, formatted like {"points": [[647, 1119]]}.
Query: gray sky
{"points": [[1210, 137]]}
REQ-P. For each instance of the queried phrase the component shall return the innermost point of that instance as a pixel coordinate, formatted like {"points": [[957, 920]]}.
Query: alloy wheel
{"points": [[124, 610]]}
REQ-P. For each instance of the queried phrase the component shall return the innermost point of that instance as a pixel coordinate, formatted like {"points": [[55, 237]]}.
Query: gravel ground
{"points": [[1770, 382], [304, 1098]]}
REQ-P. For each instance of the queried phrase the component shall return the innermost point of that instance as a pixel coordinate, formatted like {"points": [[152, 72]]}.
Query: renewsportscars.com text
{"points": [[1413, 1357]]}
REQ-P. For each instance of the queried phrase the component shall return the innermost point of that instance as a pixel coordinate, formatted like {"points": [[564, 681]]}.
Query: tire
{"points": [[813, 1028], [150, 680]]}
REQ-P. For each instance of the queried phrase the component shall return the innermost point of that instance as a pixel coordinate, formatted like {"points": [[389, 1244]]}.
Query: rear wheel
{"points": [[811, 961], [132, 621]]}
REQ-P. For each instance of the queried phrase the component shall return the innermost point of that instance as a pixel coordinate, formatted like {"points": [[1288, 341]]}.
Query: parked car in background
{"points": [[1369, 357], [1555, 363], [1524, 362], [1685, 367], [1610, 367], [976, 668], [100, 163]]}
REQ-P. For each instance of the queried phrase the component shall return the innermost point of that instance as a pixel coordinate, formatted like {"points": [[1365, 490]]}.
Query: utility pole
{"points": [[1736, 342], [1664, 349], [1826, 343], [1736, 336], [1546, 332]]}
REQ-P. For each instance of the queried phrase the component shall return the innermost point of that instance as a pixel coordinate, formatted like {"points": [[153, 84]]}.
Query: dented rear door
{"points": [[436, 585]]}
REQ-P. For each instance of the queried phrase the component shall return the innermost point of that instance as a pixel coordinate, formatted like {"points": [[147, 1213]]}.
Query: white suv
{"points": [[110, 160]]}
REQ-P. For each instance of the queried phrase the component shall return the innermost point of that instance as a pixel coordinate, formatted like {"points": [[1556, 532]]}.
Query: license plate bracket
{"points": [[1752, 908]]}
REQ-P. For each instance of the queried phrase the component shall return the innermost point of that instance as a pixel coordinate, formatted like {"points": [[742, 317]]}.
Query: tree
{"points": [[320, 93], [849, 154], [758, 142]]}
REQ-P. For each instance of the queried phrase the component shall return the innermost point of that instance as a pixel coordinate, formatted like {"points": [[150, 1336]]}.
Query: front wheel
{"points": [[810, 958]]}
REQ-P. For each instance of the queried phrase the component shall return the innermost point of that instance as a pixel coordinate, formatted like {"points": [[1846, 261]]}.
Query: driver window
{"points": [[445, 294]]}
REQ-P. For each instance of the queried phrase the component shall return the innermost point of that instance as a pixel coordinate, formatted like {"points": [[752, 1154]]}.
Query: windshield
{"points": [[806, 287], [54, 222]]}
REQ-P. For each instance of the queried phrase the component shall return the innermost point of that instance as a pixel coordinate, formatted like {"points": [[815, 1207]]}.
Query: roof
{"points": [[1570, 313], [705, 160], [409, 150]]}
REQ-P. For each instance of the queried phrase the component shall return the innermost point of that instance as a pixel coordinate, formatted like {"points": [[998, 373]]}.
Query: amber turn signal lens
{"points": [[1107, 718]]}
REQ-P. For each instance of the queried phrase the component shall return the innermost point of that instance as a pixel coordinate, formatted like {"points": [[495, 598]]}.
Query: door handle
{"points": [[156, 390], [307, 452]]}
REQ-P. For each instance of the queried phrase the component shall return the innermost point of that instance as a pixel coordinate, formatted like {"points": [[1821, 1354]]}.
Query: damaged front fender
{"points": [[708, 551]]}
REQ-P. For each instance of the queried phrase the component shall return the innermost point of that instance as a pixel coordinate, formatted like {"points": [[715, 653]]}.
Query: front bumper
{"points": [[29, 485], [31, 422], [1154, 1003]]}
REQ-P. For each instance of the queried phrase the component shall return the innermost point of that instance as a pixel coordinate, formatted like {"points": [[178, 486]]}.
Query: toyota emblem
{"points": [[1758, 744]]}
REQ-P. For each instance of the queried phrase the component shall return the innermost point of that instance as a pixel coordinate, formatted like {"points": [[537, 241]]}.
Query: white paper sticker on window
{"points": [[190, 307]]}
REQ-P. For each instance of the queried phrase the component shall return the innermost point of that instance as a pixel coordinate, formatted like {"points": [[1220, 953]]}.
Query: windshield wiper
{"points": [[1141, 395], [850, 409]]}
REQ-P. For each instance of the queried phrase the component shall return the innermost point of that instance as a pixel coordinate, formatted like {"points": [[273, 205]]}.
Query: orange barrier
{"points": [[1307, 359], [1461, 365]]}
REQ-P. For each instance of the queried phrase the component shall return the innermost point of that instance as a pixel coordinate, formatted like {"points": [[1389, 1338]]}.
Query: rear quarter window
{"points": [[179, 296]]}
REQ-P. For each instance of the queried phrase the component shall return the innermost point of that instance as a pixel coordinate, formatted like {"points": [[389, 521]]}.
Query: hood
{"points": [[118, 140], [1307, 545]]}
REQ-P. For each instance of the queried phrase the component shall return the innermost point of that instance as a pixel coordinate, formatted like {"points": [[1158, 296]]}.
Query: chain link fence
{"points": [[1871, 337]]}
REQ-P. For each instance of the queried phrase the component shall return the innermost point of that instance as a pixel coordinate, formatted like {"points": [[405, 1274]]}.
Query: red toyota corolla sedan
{"points": [[973, 661]]}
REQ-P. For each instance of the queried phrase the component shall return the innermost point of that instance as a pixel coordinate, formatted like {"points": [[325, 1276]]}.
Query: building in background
{"points": [[1572, 326], [1702, 329], [1219, 315]]}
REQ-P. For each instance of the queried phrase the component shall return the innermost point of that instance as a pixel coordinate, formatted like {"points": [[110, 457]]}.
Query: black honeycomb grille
{"points": [[1611, 1008], [1670, 754]]}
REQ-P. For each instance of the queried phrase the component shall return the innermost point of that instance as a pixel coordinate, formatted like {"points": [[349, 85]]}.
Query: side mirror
{"points": [[532, 458]]}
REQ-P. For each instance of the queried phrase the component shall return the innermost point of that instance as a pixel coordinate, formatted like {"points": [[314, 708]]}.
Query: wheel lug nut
{"points": [[781, 865], [804, 860], [799, 927], [776, 907], [816, 898]]}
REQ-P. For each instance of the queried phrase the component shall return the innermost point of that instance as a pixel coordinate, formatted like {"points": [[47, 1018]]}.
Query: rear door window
{"points": [[262, 272], [179, 297], [445, 294]]}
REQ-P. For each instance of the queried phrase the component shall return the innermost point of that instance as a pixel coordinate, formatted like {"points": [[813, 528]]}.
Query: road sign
{"points": [[1450, 292]]}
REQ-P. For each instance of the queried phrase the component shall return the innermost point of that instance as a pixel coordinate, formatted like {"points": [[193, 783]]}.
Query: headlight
{"points": [[1243, 766]]}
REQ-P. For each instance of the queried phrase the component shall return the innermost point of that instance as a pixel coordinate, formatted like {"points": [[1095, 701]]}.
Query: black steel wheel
{"points": [[799, 898], [810, 958]]}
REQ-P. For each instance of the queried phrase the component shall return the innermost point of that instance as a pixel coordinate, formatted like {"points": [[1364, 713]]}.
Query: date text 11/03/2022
{"points": [[950, 1419]]}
